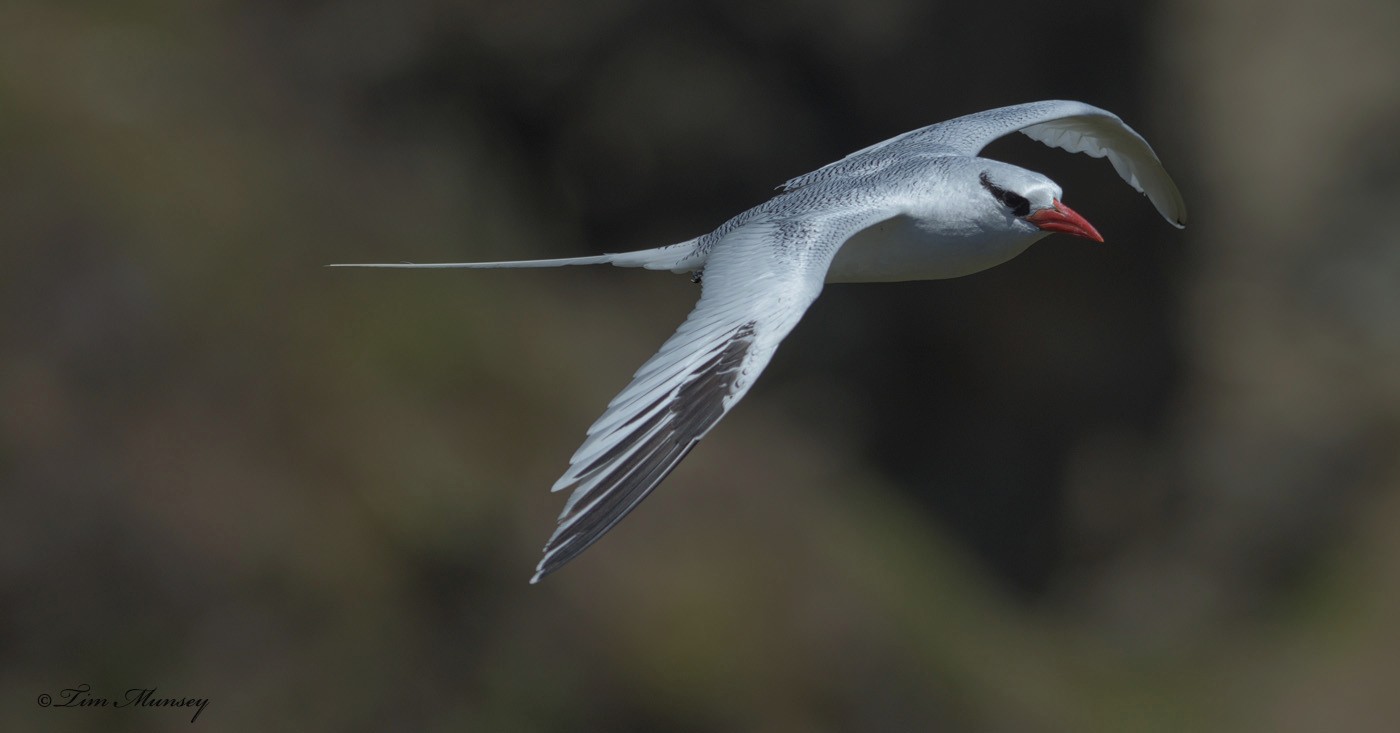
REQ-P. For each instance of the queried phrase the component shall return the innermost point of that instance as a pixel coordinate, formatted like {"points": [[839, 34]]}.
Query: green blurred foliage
{"points": [[1145, 486]]}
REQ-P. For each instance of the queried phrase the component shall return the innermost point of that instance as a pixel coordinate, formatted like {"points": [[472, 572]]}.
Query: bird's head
{"points": [[1028, 202]]}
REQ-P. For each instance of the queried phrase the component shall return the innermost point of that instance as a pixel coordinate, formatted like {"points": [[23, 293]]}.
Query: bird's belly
{"points": [[901, 249]]}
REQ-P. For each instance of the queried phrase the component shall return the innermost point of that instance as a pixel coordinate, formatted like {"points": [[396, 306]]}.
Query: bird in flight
{"points": [[919, 206]]}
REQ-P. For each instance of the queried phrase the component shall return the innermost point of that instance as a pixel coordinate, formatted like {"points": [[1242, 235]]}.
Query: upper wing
{"points": [[1073, 126], [758, 282], [1080, 128]]}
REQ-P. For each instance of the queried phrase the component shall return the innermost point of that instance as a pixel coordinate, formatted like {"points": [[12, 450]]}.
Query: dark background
{"points": [[1145, 485]]}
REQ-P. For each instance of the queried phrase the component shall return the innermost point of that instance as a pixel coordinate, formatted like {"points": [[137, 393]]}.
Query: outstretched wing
{"points": [[1082, 128], [758, 282], [1072, 126]]}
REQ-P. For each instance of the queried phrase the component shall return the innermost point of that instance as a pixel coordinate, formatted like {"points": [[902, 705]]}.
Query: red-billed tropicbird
{"points": [[919, 206]]}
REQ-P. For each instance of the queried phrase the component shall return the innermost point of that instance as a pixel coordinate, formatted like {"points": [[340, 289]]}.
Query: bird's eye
{"points": [[1010, 199], [1016, 202]]}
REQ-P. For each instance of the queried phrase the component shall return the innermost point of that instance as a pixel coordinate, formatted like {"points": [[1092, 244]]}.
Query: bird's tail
{"points": [[682, 257]]}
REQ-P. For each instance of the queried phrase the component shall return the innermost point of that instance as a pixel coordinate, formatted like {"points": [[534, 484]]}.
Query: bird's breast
{"points": [[906, 248]]}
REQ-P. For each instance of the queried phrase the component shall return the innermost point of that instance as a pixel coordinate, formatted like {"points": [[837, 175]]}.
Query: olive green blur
{"points": [[1146, 485]]}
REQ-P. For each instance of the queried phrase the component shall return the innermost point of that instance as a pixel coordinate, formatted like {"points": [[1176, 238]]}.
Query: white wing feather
{"points": [[1106, 136], [754, 293]]}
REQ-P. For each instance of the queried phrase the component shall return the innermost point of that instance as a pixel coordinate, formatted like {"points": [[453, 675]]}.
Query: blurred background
{"points": [[1146, 485]]}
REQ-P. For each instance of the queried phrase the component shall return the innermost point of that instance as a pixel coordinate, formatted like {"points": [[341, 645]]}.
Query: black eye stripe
{"points": [[1017, 203], [987, 184], [1014, 201]]}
